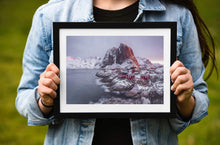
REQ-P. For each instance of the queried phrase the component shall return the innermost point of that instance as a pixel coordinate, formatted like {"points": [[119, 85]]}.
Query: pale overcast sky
{"points": [[150, 47]]}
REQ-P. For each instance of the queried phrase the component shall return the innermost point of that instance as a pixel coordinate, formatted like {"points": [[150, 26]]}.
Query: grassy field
{"points": [[15, 22]]}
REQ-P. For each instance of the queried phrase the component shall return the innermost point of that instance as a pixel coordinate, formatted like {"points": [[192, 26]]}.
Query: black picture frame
{"points": [[79, 32]]}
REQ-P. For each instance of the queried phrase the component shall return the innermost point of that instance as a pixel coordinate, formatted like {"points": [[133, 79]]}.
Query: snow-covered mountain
{"points": [[87, 63], [121, 57]]}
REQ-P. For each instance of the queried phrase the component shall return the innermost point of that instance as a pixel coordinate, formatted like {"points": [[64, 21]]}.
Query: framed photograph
{"points": [[114, 69]]}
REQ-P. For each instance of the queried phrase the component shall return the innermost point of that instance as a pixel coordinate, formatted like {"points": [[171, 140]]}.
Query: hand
{"points": [[183, 88], [47, 86]]}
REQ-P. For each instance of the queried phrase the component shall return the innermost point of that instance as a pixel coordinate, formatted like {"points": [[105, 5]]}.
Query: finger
{"points": [[47, 100], [183, 96], [43, 90], [43, 74], [49, 83], [53, 76], [179, 80], [175, 65], [188, 86], [179, 71], [53, 67]]}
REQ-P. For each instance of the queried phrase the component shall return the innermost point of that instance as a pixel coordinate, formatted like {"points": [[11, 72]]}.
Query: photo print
{"points": [[114, 69]]}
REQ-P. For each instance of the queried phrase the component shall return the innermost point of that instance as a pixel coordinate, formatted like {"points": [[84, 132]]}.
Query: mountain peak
{"points": [[120, 55]]}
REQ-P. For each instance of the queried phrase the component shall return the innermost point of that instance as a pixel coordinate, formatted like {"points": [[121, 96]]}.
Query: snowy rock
{"points": [[117, 100], [153, 77], [159, 70], [103, 73], [143, 82], [122, 85], [133, 92], [145, 93], [145, 100]]}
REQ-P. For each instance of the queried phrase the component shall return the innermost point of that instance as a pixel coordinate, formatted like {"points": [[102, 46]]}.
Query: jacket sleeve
{"points": [[35, 60], [190, 56]]}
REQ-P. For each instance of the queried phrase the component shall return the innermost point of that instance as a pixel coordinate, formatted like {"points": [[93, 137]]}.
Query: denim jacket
{"points": [[39, 53]]}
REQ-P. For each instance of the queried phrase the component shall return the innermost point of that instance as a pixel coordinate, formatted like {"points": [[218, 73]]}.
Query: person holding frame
{"points": [[40, 79]]}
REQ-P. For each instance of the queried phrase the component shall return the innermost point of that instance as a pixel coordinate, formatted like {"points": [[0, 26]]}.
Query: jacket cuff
{"points": [[199, 112], [35, 116]]}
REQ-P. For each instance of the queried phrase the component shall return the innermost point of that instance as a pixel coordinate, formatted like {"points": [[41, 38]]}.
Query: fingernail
{"points": [[172, 88]]}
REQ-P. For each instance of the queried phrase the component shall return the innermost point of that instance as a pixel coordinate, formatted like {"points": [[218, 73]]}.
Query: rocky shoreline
{"points": [[130, 80]]}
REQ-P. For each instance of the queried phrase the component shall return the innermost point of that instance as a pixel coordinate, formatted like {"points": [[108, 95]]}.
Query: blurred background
{"points": [[15, 22]]}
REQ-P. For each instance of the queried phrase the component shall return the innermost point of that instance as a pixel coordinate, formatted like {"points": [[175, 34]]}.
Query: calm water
{"points": [[81, 86]]}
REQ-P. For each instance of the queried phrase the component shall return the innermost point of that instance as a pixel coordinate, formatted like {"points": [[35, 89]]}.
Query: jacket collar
{"points": [[151, 5], [86, 14]]}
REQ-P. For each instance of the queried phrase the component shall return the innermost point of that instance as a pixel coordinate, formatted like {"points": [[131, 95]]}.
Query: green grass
{"points": [[207, 131], [15, 22]]}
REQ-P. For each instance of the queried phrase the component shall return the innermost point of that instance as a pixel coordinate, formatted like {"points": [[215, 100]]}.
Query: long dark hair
{"points": [[205, 37]]}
